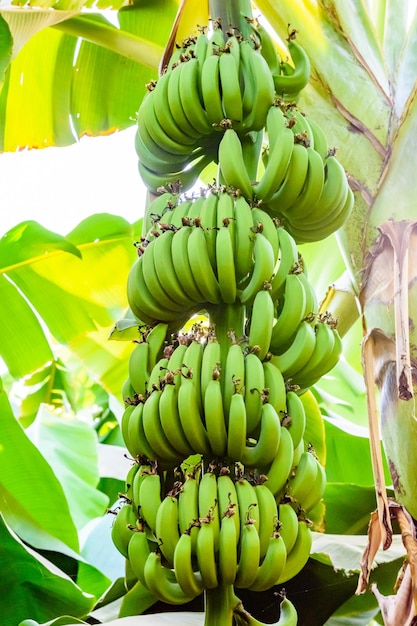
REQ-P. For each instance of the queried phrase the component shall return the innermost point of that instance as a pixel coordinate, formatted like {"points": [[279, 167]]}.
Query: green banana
{"points": [[121, 531], [182, 266], [214, 419], [325, 356], [225, 259], [138, 551], [227, 499], [150, 498], [257, 74], [230, 86], [298, 353], [312, 190], [191, 419], [233, 378], [279, 470], [265, 225], [232, 165], [291, 85], [267, 445], [170, 420], [227, 557], [156, 339], [138, 367], [210, 362], [209, 223], [295, 417], [167, 527], [244, 238], [190, 97], [175, 104], [206, 553], [288, 260], [189, 580], [188, 514], [253, 391], [236, 428], [261, 322], [165, 271], [263, 268], [299, 554], [301, 484], [249, 556], [162, 583], [164, 116], [293, 182], [275, 387], [278, 163], [268, 514], [290, 314], [288, 528], [272, 565], [211, 90], [319, 138], [247, 502], [201, 268], [135, 439]]}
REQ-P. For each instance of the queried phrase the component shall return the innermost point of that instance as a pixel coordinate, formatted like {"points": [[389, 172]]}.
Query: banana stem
{"points": [[228, 321], [220, 603], [228, 12]]}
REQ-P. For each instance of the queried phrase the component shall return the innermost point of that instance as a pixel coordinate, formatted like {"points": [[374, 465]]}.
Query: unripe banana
{"points": [[249, 556], [265, 449], [121, 532], [188, 514], [227, 496], [279, 470], [214, 418], [263, 268], [261, 322], [138, 367], [295, 418], [232, 165], [206, 553], [298, 353], [189, 580], [138, 550], [272, 565], [227, 559], [302, 484], [236, 428], [275, 387], [288, 528], [248, 503], [162, 583], [299, 555], [167, 527], [268, 516], [150, 499], [254, 388]]}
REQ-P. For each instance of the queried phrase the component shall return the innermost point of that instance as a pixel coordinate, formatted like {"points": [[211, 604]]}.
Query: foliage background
{"points": [[61, 452]]}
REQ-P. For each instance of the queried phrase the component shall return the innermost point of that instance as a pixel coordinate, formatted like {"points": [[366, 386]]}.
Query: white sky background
{"points": [[58, 187]]}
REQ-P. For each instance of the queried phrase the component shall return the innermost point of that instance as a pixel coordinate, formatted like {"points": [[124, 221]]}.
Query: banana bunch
{"points": [[207, 529], [302, 184], [289, 78], [210, 84], [188, 259], [224, 477]]}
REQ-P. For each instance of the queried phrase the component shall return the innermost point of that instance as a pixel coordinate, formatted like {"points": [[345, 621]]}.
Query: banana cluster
{"points": [[188, 531], [211, 83], [301, 182], [214, 414]]}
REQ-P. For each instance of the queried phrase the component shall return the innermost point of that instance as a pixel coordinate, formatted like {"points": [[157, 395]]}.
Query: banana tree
{"points": [[89, 76]]}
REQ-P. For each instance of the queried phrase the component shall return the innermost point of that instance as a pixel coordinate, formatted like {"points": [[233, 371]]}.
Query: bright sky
{"points": [[58, 187]]}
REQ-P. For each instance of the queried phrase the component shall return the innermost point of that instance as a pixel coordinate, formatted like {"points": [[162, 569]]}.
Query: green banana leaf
{"points": [[84, 276], [26, 577]]}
